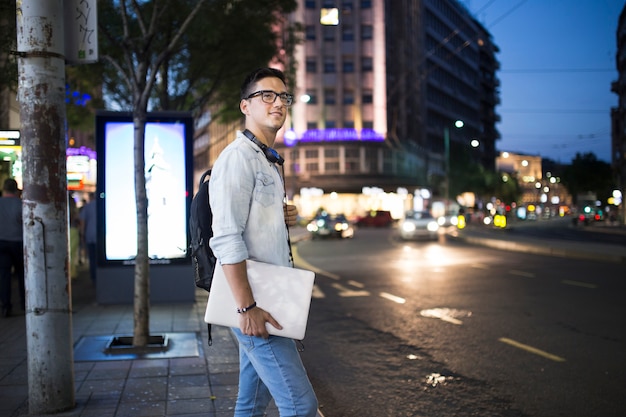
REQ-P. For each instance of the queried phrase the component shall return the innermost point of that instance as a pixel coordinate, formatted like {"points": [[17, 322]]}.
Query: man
{"points": [[249, 222], [88, 233], [11, 244]]}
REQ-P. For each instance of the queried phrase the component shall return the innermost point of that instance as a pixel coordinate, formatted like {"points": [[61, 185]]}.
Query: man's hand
{"points": [[291, 214], [252, 322]]}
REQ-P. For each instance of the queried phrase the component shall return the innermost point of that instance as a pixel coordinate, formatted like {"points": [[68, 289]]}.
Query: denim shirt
{"points": [[246, 195]]}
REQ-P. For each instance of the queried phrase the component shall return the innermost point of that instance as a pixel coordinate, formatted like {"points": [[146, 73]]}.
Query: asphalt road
{"points": [[448, 329]]}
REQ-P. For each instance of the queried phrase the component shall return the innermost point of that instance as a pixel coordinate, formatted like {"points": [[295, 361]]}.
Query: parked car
{"points": [[326, 225], [376, 218], [419, 225]]}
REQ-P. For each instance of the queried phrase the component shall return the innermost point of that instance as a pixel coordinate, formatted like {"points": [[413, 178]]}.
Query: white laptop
{"points": [[282, 291]]}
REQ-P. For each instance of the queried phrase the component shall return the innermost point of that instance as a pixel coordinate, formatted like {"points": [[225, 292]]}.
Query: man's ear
{"points": [[243, 107]]}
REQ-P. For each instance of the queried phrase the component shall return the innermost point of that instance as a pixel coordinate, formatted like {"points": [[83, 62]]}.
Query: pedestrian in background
{"points": [[249, 222], [11, 245], [88, 233], [74, 224]]}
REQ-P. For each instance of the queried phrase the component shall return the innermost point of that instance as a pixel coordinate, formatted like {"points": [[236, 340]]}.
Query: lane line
{"points": [[392, 297], [531, 349], [579, 284], [356, 284], [301, 263]]}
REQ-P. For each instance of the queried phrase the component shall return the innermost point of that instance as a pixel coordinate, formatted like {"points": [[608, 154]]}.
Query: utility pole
{"points": [[41, 96]]}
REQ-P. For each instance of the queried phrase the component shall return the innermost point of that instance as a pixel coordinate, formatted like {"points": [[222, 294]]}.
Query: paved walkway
{"points": [[193, 379]]}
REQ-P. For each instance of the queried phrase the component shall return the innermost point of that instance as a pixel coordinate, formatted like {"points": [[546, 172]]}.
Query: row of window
{"points": [[347, 65], [347, 32], [344, 4], [367, 97]]}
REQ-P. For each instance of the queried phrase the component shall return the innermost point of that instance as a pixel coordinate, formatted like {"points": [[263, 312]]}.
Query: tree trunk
{"points": [[41, 94], [141, 332]]}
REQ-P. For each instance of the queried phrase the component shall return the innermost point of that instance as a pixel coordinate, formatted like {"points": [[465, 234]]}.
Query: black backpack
{"points": [[200, 232]]}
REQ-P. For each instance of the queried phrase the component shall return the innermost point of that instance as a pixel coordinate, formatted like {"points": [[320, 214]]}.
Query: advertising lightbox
{"points": [[168, 173]]}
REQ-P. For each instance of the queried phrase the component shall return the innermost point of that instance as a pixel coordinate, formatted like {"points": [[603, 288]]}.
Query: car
{"points": [[326, 225], [419, 225], [449, 219], [375, 218]]}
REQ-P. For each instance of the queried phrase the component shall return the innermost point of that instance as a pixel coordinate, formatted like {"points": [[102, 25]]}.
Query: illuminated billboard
{"points": [[168, 171]]}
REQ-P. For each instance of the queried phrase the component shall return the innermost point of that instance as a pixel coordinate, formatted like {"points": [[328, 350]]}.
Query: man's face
{"points": [[262, 114]]}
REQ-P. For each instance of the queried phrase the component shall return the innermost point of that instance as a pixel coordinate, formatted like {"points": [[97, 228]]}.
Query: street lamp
{"points": [[446, 141]]}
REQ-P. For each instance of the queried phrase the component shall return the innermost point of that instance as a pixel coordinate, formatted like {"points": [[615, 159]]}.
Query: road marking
{"points": [[579, 284], [392, 297], [446, 314], [531, 349], [317, 292], [346, 292], [479, 266], [301, 263], [356, 284], [521, 273]]}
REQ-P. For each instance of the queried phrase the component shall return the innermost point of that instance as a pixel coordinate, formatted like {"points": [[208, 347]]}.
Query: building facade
{"points": [[379, 84]]}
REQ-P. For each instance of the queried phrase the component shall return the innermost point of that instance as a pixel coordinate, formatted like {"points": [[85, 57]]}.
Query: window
{"points": [[353, 153], [329, 97], [312, 167], [331, 152], [329, 64], [331, 124], [329, 33], [310, 32], [348, 97], [347, 34], [311, 65], [330, 167], [311, 154], [366, 32], [368, 97], [348, 124], [368, 124], [366, 64], [309, 4], [348, 65], [366, 4], [311, 125]]}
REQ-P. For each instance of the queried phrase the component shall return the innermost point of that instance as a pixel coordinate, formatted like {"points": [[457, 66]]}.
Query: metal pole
{"points": [[41, 95]]}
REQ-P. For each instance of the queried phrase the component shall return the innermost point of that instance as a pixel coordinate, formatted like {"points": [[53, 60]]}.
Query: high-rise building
{"points": [[379, 87]]}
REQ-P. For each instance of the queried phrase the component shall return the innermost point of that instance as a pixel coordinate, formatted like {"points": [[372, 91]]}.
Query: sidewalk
{"points": [[191, 379]]}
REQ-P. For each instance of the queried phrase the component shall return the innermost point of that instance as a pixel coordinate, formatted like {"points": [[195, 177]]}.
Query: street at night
{"points": [[451, 329]]}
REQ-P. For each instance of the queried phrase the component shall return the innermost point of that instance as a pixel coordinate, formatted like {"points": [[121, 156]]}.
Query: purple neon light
{"points": [[335, 135]]}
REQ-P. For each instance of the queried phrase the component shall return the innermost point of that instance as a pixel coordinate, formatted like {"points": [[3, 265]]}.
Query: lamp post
{"points": [[446, 143]]}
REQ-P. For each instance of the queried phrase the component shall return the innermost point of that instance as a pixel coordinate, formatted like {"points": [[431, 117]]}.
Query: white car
{"points": [[419, 225]]}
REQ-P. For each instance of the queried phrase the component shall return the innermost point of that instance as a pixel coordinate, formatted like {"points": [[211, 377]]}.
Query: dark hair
{"points": [[10, 186], [257, 75]]}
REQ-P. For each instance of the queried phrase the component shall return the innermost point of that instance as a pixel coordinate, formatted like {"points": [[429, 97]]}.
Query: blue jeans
{"points": [[272, 368]]}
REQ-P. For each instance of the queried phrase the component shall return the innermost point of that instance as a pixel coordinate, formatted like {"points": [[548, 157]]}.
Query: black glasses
{"points": [[269, 97]]}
